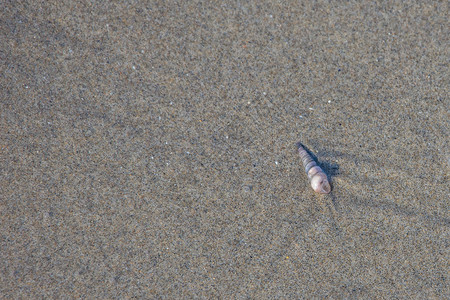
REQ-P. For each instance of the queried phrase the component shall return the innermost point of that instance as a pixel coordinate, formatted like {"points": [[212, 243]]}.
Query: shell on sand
{"points": [[317, 177]]}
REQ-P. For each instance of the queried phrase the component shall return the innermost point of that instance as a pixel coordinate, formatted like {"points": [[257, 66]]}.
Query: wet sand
{"points": [[147, 149]]}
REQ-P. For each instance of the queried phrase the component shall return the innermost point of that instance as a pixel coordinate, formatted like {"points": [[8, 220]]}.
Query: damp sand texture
{"points": [[147, 149]]}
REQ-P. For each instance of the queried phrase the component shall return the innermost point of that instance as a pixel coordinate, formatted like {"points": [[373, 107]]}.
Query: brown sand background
{"points": [[148, 149]]}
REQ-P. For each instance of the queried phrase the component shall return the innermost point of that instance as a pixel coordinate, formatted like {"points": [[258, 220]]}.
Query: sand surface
{"points": [[147, 149]]}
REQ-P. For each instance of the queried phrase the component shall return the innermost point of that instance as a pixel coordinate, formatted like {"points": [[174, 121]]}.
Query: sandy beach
{"points": [[148, 149]]}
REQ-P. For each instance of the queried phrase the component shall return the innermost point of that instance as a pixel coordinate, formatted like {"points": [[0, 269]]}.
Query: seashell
{"points": [[317, 177]]}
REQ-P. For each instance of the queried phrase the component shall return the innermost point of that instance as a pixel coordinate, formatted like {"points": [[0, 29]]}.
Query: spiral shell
{"points": [[317, 177]]}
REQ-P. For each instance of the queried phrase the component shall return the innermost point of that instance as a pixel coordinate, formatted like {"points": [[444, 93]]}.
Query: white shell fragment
{"points": [[317, 177]]}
